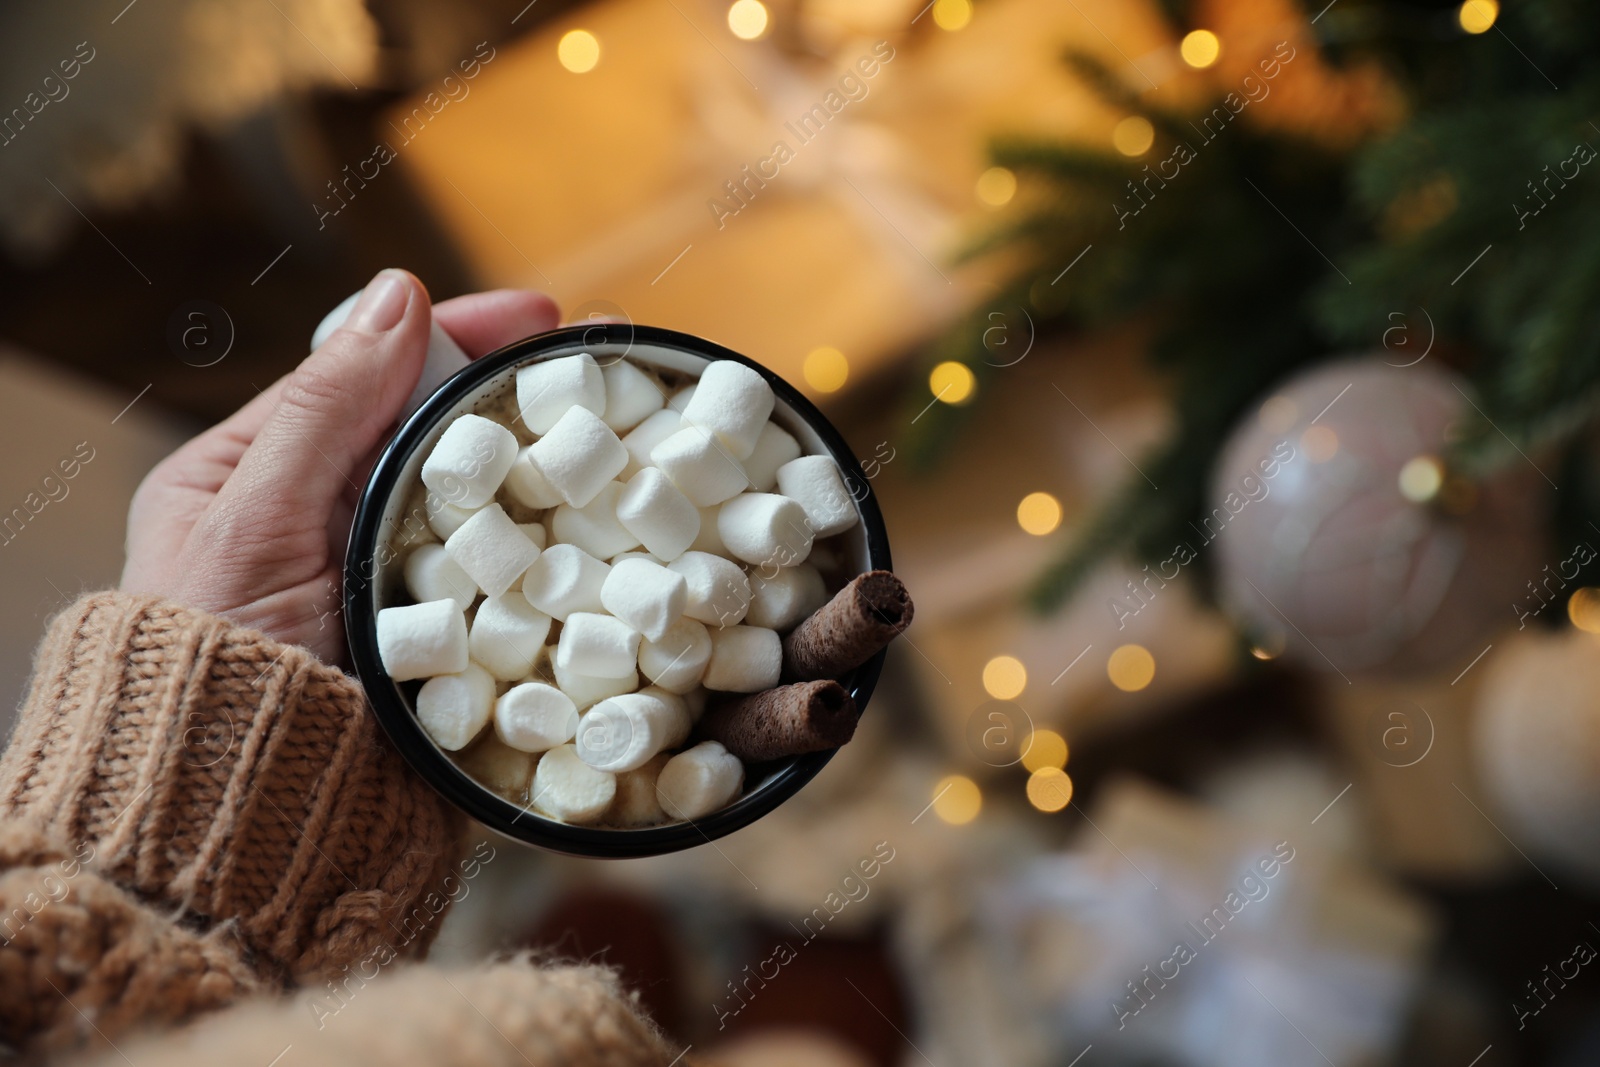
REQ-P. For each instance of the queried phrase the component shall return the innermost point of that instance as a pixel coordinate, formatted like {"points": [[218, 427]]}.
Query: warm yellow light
{"points": [[1478, 15], [1039, 513], [747, 19], [1133, 136], [996, 186], [1004, 677], [1200, 48], [1584, 609], [952, 14], [1421, 479], [1049, 789], [957, 799], [1278, 413], [1131, 667], [825, 369], [1320, 443], [578, 51], [1045, 748], [952, 382], [1269, 646]]}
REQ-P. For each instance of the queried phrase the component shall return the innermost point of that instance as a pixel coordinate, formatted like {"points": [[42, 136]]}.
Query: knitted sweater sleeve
{"points": [[192, 811]]}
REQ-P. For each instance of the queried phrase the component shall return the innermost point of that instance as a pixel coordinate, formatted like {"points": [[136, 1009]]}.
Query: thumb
{"points": [[335, 407]]}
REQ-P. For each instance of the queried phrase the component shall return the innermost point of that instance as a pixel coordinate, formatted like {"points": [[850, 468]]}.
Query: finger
{"points": [[334, 408], [483, 322]]}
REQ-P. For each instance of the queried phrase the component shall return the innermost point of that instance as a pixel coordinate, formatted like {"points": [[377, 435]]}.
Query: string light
{"points": [[1477, 16], [825, 369], [996, 186], [1049, 789], [1133, 136], [1045, 748], [747, 19], [1131, 668], [1421, 479], [952, 382], [1200, 48], [1583, 608], [952, 15], [1039, 513], [1004, 677], [957, 799], [579, 51]]}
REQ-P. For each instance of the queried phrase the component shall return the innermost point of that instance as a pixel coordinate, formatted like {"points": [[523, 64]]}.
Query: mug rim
{"points": [[393, 710]]}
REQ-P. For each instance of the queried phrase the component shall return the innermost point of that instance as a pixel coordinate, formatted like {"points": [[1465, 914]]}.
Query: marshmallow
{"points": [[622, 733], [598, 645], [444, 518], [568, 789], [699, 780], [420, 640], [500, 767], [549, 389], [645, 436], [533, 717], [594, 527], [453, 708], [719, 592], [579, 456], [636, 804], [765, 529], [709, 540], [431, 574], [700, 466], [773, 449], [681, 398], [695, 701], [733, 402], [646, 596], [586, 690], [526, 484], [492, 551], [506, 636], [631, 395], [814, 483], [677, 660], [636, 554], [744, 659], [535, 532], [781, 601], [657, 514], [564, 579], [681, 721], [470, 461]]}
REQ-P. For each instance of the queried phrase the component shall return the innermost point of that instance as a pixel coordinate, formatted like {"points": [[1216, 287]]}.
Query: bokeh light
{"points": [[957, 799], [579, 51], [1200, 48], [952, 382], [1045, 748], [1131, 668], [952, 14], [1320, 442], [1049, 789], [1004, 677], [1421, 479], [1477, 16], [1039, 513], [1278, 413], [996, 186], [825, 369], [1133, 136], [1583, 608], [747, 19]]}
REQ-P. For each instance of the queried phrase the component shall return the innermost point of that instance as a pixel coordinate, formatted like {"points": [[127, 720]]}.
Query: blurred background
{"points": [[1227, 372]]}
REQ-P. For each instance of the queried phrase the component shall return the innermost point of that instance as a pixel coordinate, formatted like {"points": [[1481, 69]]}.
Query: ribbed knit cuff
{"points": [[216, 772]]}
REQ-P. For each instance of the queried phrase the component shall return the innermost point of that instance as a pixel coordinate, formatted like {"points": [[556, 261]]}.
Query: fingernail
{"points": [[382, 302]]}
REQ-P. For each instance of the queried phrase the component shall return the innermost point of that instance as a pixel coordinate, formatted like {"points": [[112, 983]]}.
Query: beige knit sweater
{"points": [[193, 815]]}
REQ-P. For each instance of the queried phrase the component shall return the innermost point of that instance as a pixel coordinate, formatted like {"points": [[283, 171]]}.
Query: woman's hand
{"points": [[249, 520]]}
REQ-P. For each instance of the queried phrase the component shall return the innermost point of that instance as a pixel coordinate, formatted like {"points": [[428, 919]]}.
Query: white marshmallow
{"points": [[470, 461], [695, 701], [579, 456], [700, 466], [622, 733], [657, 514], [780, 601], [533, 717], [699, 780], [765, 529], [709, 540], [645, 436], [565, 579], [814, 483], [681, 721], [453, 708], [526, 484], [678, 659], [568, 789], [444, 518], [507, 636], [719, 591], [631, 395], [732, 401], [500, 767], [594, 527], [535, 532], [431, 574], [420, 640], [548, 390], [646, 596], [598, 645], [679, 400], [636, 804], [636, 554], [492, 551], [586, 690], [773, 449], [744, 659]]}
